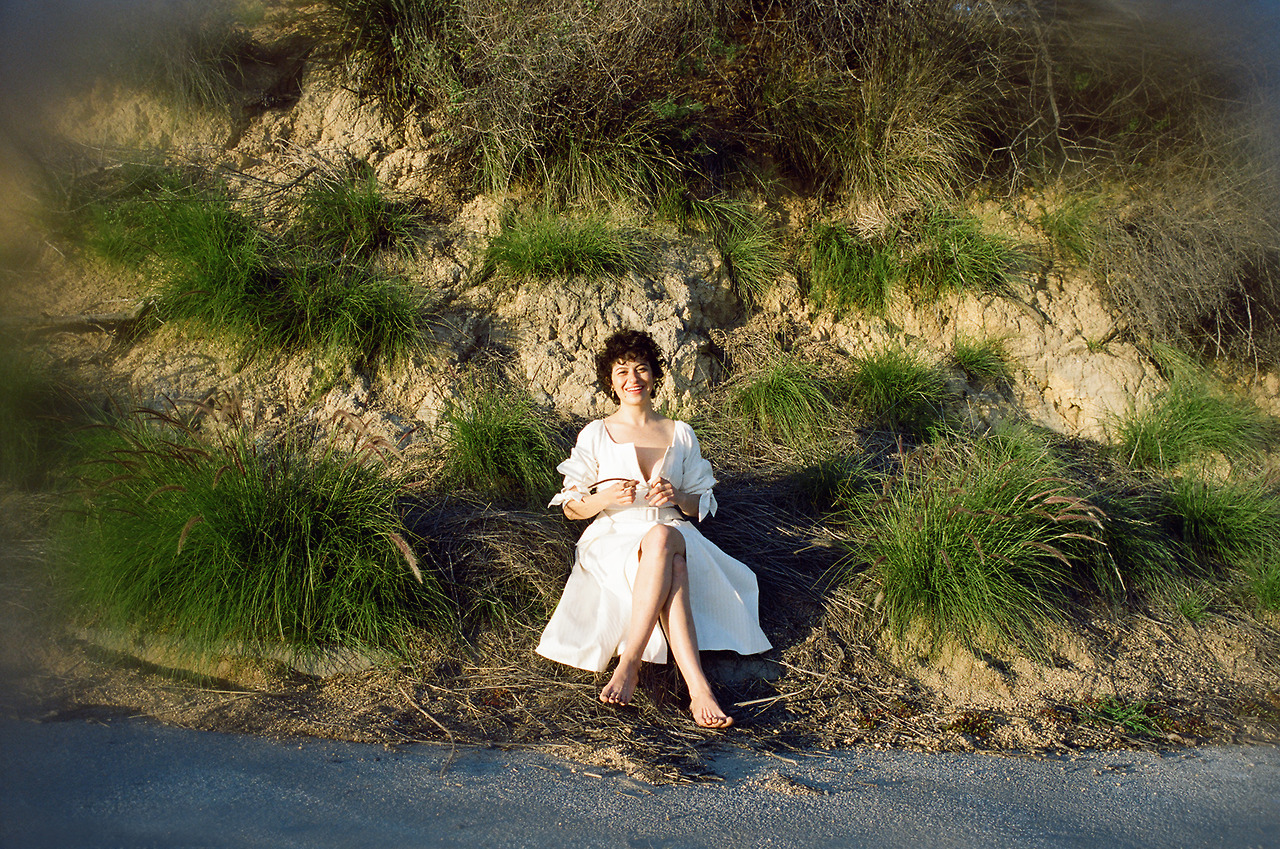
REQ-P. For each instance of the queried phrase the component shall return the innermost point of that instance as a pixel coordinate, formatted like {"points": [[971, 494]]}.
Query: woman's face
{"points": [[632, 381]]}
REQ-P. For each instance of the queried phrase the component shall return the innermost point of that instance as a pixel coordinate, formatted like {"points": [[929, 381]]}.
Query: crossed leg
{"points": [[661, 594]]}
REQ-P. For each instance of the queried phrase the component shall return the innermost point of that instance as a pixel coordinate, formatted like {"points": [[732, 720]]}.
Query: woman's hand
{"points": [[662, 493], [620, 494]]}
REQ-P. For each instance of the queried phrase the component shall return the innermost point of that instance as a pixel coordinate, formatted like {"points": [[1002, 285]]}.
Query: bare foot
{"points": [[707, 713], [623, 683]]}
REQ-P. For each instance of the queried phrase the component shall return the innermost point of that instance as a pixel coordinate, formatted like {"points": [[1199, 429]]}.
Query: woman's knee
{"points": [[663, 538]]}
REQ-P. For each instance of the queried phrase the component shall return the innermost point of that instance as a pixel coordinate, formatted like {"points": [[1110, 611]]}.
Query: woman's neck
{"points": [[637, 415]]}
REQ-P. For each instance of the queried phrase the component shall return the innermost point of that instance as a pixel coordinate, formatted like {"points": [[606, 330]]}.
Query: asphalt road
{"points": [[131, 783]]}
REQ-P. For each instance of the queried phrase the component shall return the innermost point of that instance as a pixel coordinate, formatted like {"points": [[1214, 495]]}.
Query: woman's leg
{"points": [[649, 595], [682, 637], [661, 593]]}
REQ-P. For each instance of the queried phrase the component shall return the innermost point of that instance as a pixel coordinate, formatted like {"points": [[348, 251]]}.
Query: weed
{"points": [[897, 127], [892, 388], [1192, 604], [1072, 226], [985, 362], [192, 54], [499, 444], [973, 723], [1139, 718], [752, 257], [351, 219], [786, 401], [219, 540], [546, 245], [972, 540], [851, 273], [1266, 708], [1192, 418], [953, 255]]}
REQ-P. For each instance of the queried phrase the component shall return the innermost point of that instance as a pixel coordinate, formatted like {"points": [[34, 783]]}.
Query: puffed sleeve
{"points": [[695, 473], [582, 467]]}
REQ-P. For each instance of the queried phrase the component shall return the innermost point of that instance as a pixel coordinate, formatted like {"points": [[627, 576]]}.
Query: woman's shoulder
{"points": [[682, 432], [591, 429]]}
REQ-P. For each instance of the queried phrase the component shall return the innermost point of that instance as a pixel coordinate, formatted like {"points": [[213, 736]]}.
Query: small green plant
{"points": [[351, 218], [1139, 718], [972, 540], [850, 272], [546, 245], [953, 254], [973, 723], [498, 443], [220, 539], [752, 256], [893, 388], [1072, 227], [985, 362], [1191, 419], [786, 401], [220, 272], [1192, 604]]}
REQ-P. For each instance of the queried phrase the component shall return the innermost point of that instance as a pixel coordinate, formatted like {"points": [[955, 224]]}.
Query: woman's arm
{"points": [[620, 494]]}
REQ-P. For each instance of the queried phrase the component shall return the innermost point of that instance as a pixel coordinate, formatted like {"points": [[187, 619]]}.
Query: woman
{"points": [[641, 563]]}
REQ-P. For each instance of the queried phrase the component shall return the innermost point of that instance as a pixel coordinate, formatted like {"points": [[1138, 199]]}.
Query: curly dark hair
{"points": [[625, 346]]}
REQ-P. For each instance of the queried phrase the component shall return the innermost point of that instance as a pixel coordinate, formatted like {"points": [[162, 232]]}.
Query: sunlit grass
{"points": [[544, 244], [851, 273], [221, 540], [971, 540], [498, 443], [893, 388]]}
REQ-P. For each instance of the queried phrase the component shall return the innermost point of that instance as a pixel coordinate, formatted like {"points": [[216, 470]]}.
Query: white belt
{"points": [[643, 514]]}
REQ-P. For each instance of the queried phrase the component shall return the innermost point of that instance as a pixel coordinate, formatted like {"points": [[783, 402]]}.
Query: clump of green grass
{"points": [[786, 402], [972, 540], [1191, 419], [1143, 550], [985, 362], [1177, 536], [222, 273], [219, 540], [893, 388], [952, 255], [752, 256], [498, 443], [1072, 226], [351, 218], [1192, 604], [1139, 718], [849, 272], [544, 245], [1235, 524]]}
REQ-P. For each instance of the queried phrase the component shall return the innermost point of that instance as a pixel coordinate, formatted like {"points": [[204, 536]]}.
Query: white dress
{"points": [[590, 623]]}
